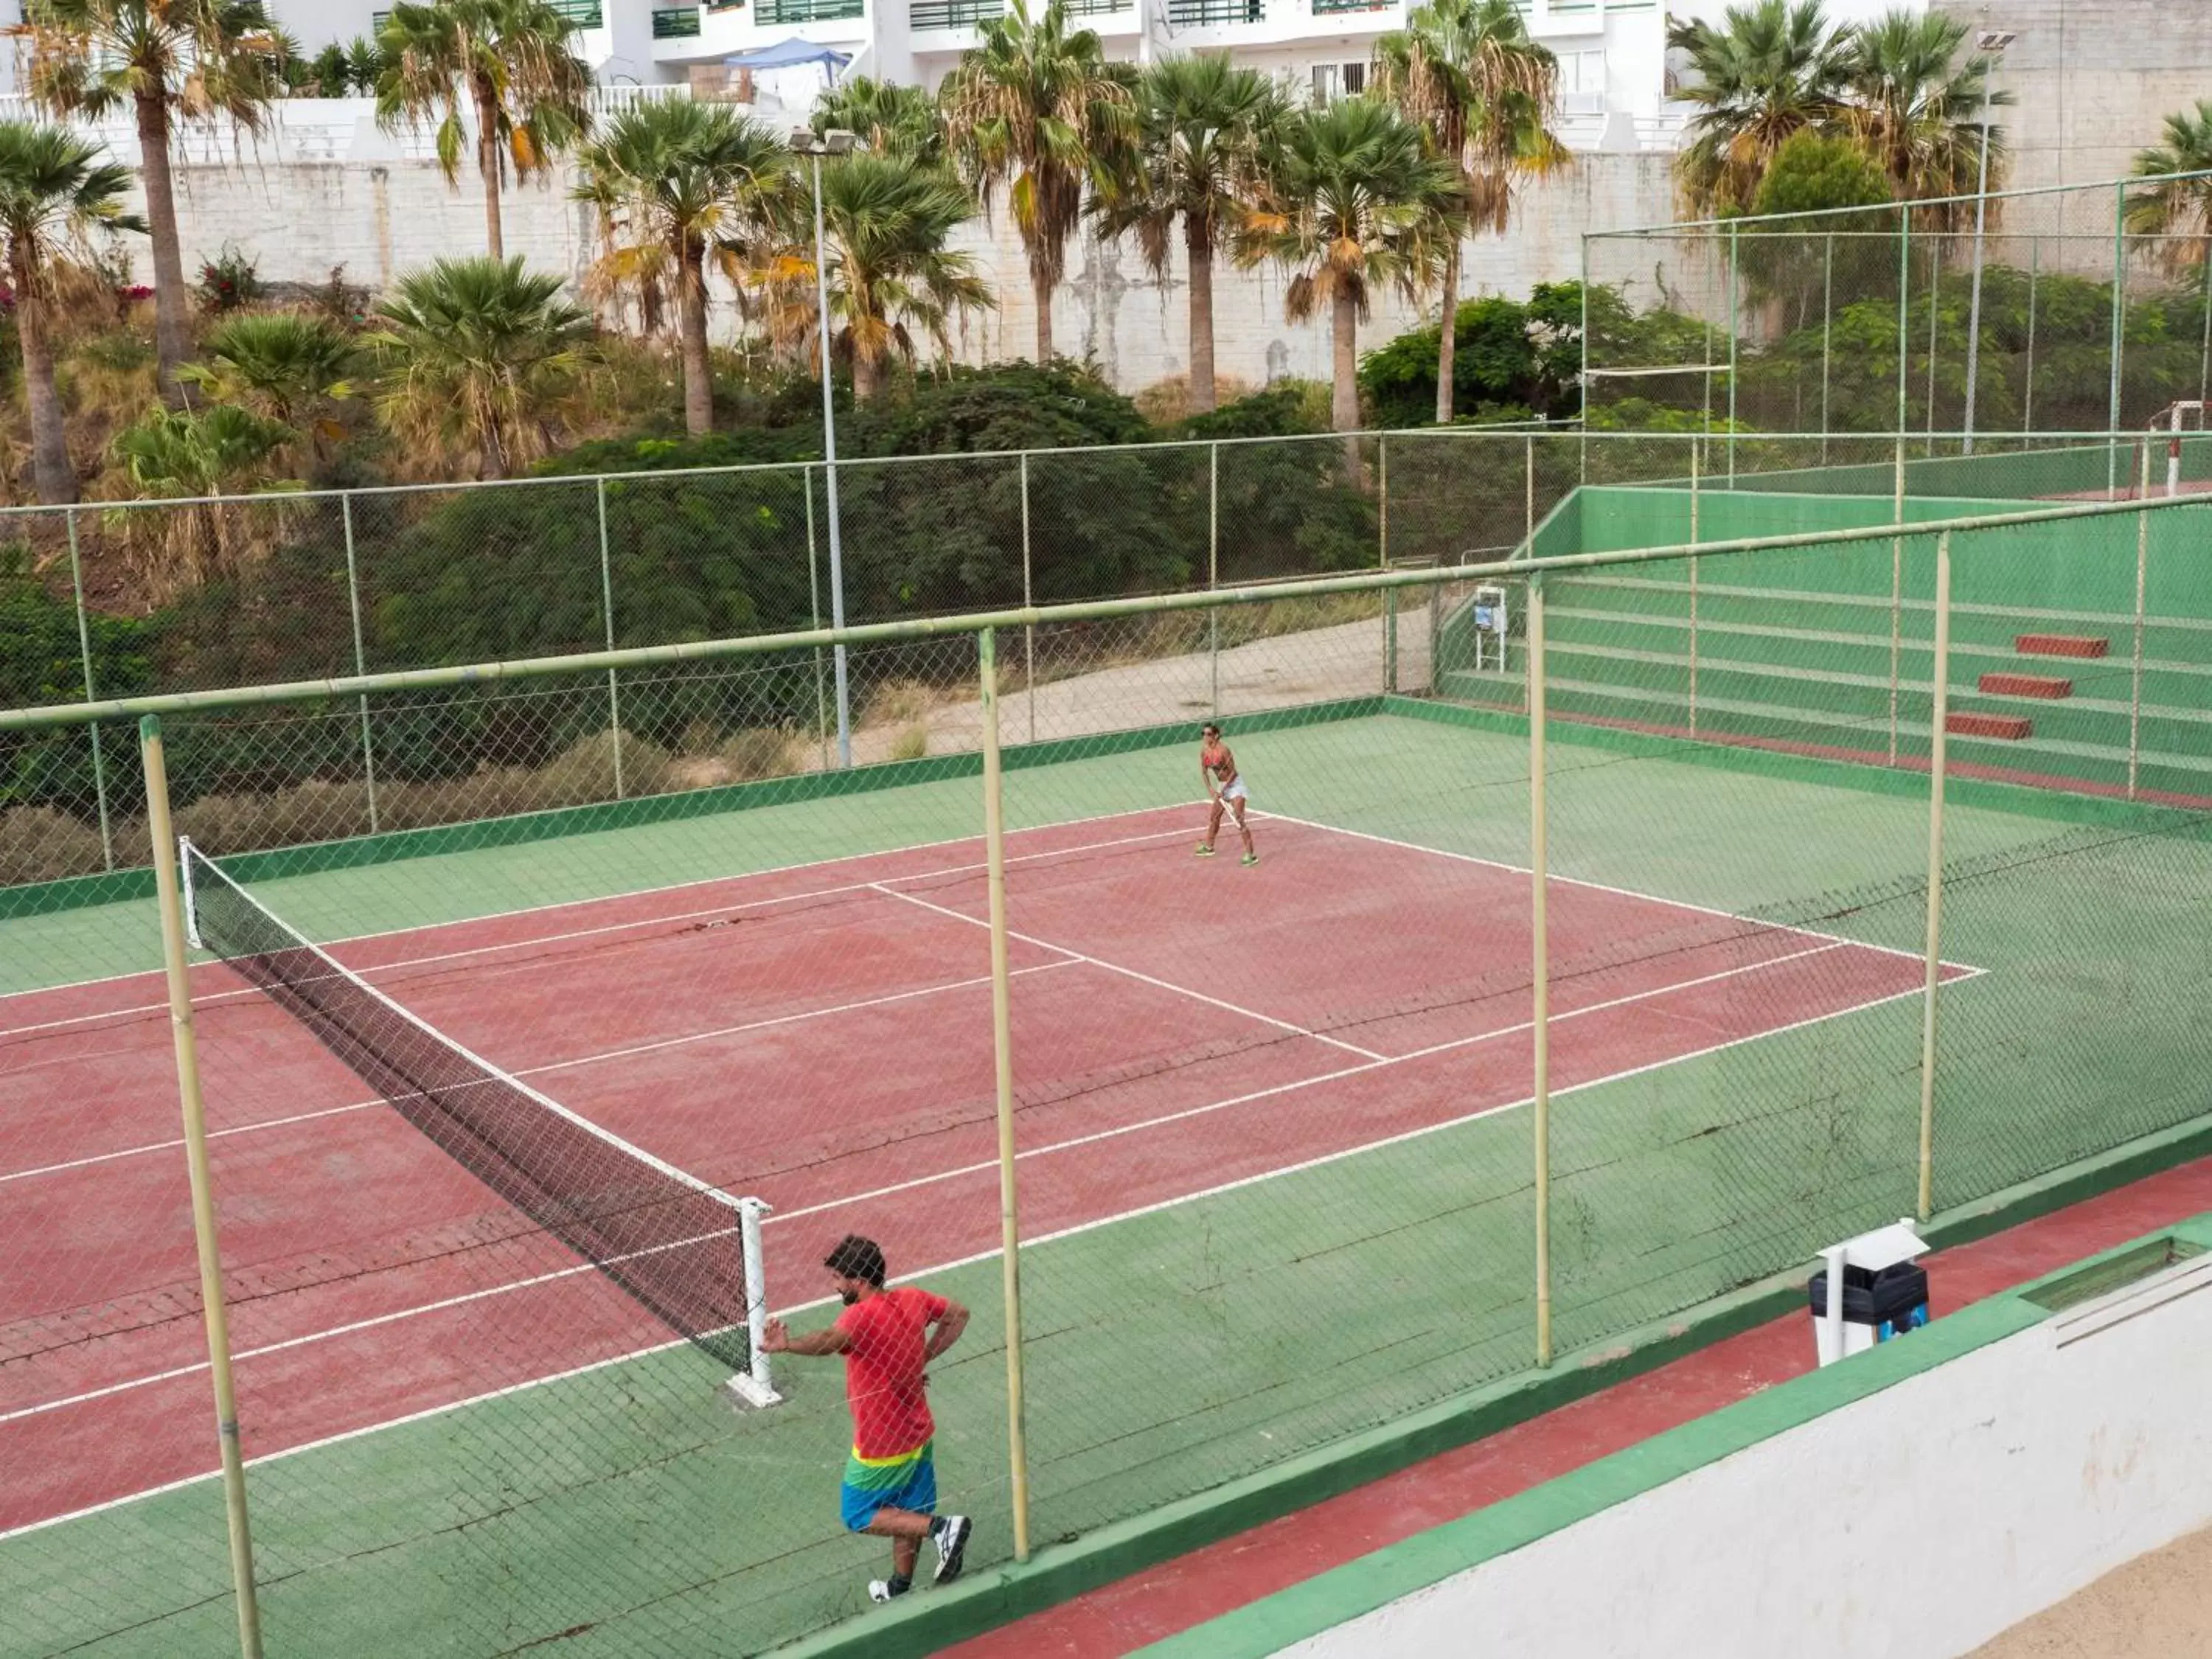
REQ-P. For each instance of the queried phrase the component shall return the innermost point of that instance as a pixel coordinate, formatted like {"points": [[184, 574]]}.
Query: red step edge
{"points": [[2024, 685], [2059, 645], [2009, 727]]}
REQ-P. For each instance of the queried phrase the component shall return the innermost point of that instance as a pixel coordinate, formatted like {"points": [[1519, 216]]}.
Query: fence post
{"points": [[1539, 969], [2119, 334], [1904, 321], [1697, 446], [2135, 671], [84, 650], [1390, 596], [1028, 600], [1213, 575], [1735, 324], [165, 851], [1935, 317], [1002, 1049], [1896, 590], [1935, 966], [1827, 306], [607, 608], [814, 617], [359, 657], [1528, 495], [2034, 272]]}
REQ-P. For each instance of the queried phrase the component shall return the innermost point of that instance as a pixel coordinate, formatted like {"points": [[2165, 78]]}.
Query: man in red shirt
{"points": [[887, 1338]]}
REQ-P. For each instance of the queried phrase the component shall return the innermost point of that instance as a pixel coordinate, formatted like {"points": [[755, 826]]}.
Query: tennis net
{"points": [[688, 1253]]}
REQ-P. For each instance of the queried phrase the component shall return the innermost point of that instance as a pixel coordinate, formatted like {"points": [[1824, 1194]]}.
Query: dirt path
{"points": [[2159, 1606]]}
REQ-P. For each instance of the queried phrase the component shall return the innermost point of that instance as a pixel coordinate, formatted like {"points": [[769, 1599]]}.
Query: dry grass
{"points": [[912, 742], [38, 843], [900, 702], [1165, 402]]}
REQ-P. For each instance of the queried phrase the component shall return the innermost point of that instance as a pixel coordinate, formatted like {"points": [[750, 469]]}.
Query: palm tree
{"points": [[172, 63], [1771, 68], [891, 120], [194, 454], [1466, 70], [2178, 209], [1356, 203], [679, 185], [1204, 127], [474, 349], [1036, 109], [55, 191], [281, 366], [886, 220], [1918, 109], [506, 64]]}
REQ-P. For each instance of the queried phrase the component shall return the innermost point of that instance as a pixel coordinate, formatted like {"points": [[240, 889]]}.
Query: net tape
{"points": [[685, 1250]]}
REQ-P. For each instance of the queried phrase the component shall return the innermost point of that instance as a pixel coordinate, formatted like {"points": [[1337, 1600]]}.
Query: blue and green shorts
{"points": [[906, 1480]]}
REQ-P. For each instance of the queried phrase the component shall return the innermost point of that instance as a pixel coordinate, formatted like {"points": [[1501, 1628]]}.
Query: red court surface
{"points": [[819, 1036], [1175, 1596]]}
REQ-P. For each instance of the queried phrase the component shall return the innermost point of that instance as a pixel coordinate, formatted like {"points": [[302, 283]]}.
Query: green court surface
{"points": [[625, 1510]]}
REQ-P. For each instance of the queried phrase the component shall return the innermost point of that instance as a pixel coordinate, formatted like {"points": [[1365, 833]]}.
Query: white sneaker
{"points": [[879, 1589], [952, 1541]]}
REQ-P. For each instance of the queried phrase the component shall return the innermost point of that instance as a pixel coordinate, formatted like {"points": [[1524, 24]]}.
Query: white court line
{"points": [[1073, 1144], [1131, 973], [539, 1070], [1596, 886], [1074, 1232], [617, 898]]}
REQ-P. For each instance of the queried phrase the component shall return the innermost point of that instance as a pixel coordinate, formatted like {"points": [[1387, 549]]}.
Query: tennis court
{"points": [[1275, 1185]]}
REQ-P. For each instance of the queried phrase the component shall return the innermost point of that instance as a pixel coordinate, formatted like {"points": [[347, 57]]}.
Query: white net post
{"points": [[752, 1387]]}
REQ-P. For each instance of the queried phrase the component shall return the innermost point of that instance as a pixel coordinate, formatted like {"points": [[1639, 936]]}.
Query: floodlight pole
{"points": [[814, 147], [1993, 43]]}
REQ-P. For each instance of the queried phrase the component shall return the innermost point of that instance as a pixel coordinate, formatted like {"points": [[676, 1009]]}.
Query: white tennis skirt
{"points": [[1235, 792]]}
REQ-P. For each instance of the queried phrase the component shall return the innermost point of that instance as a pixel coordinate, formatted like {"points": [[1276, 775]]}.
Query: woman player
{"points": [[1217, 768]]}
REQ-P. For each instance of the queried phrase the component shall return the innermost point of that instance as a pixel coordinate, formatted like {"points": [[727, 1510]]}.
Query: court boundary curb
{"points": [[1060, 1572], [1370, 1582]]}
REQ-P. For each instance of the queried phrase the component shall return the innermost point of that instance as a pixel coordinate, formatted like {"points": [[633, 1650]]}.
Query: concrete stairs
{"points": [[2011, 684]]}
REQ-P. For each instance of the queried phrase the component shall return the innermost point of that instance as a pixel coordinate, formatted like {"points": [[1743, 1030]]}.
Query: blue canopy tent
{"points": [[792, 54]]}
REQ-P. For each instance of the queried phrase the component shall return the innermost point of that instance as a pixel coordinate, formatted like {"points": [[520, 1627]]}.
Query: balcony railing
{"points": [[810, 11], [675, 22], [953, 14], [583, 13], [1186, 14], [1332, 8], [1098, 7]]}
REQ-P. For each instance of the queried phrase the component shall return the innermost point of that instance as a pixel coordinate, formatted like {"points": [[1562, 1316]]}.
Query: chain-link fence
{"points": [[1287, 1147], [2060, 307]]}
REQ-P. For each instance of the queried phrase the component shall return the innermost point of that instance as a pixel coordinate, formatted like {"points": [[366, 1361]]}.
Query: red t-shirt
{"points": [[886, 1335]]}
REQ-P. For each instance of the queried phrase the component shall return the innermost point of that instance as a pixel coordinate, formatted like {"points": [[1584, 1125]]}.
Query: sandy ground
{"points": [[2159, 1606]]}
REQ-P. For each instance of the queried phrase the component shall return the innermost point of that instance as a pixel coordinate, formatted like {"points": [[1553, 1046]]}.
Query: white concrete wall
{"points": [[299, 218], [1914, 1524]]}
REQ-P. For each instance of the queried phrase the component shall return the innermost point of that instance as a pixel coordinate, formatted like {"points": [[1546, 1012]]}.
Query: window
{"points": [[1582, 83], [1334, 81]]}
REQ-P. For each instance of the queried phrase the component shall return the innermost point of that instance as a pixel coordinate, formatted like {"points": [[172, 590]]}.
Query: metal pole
{"points": [[1002, 1049], [2120, 336], [1540, 1014], [1974, 305], [1734, 324], [1213, 573], [1935, 317], [1528, 495], [2204, 356], [1383, 550], [1904, 318], [1827, 315], [2034, 274], [359, 657], [814, 617], [165, 849], [607, 606], [1934, 976], [91, 694], [2135, 672], [829, 450], [1896, 591], [1697, 443], [1029, 629]]}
